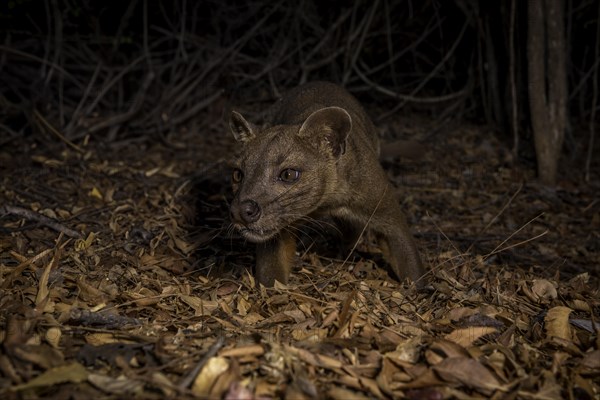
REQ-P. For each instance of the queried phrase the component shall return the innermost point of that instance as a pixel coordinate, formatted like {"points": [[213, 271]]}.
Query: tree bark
{"points": [[547, 83]]}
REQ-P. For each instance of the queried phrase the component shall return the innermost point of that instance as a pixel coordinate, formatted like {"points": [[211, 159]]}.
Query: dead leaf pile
{"points": [[122, 279]]}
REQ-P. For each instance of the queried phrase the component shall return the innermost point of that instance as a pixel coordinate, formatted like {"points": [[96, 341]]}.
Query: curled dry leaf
{"points": [[544, 290], [557, 322], [53, 336]]}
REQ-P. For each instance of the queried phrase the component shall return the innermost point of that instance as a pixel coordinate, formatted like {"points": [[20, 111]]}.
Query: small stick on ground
{"points": [[42, 219], [189, 379]]}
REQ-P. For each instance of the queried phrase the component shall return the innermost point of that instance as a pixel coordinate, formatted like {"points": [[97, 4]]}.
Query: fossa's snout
{"points": [[245, 212], [248, 211]]}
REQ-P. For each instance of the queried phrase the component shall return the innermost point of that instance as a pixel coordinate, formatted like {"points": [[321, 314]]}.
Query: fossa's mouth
{"points": [[256, 235]]}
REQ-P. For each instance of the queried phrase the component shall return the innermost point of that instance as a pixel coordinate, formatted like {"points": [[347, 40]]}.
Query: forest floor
{"points": [[119, 278]]}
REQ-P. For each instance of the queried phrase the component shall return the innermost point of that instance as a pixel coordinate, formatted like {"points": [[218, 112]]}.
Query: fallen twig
{"points": [[214, 349], [42, 219]]}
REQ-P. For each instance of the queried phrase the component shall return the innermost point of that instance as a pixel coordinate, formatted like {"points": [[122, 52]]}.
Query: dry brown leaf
{"points": [[591, 360], [224, 305], [214, 367], [408, 351], [254, 350], [243, 306], [42, 355], [183, 245], [361, 383], [84, 244], [389, 375], [162, 382], [558, 360], [43, 294], [407, 329], [100, 338], [454, 284], [253, 318], [89, 293], [544, 290], [265, 389], [296, 314], [143, 297], [459, 313], [341, 393], [227, 288], [557, 322], [467, 336], [200, 306], [442, 349], [275, 319], [119, 386], [73, 372], [224, 381], [225, 323], [95, 192], [312, 335], [579, 305], [318, 360], [548, 389], [470, 373], [53, 335]]}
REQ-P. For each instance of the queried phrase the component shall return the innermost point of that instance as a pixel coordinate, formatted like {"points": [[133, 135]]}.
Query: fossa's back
{"points": [[297, 105]]}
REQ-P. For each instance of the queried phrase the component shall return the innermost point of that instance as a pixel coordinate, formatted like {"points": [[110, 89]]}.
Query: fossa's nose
{"points": [[249, 211]]}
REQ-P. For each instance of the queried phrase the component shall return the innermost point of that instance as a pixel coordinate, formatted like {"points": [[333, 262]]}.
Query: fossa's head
{"points": [[285, 172]]}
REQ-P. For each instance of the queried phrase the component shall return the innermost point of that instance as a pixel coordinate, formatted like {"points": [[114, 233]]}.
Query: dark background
{"points": [[111, 70]]}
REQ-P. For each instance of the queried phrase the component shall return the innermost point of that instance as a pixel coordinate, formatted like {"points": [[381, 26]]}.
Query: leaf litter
{"points": [[120, 277]]}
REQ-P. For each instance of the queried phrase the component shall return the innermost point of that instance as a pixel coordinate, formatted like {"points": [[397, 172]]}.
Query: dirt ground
{"points": [[120, 278]]}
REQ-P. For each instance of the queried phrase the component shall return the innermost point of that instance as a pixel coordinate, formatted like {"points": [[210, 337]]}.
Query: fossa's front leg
{"points": [[396, 242], [401, 253], [275, 258]]}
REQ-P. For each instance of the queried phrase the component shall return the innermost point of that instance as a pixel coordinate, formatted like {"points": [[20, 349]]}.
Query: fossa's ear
{"points": [[243, 131], [328, 127]]}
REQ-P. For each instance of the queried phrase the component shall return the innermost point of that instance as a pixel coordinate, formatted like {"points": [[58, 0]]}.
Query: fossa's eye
{"points": [[289, 175], [237, 175]]}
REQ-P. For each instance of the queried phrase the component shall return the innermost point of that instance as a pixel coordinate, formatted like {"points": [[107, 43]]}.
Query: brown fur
{"points": [[316, 155]]}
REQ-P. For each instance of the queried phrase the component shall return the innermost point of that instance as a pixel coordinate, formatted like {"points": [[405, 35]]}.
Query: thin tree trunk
{"points": [[512, 79], [547, 87]]}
